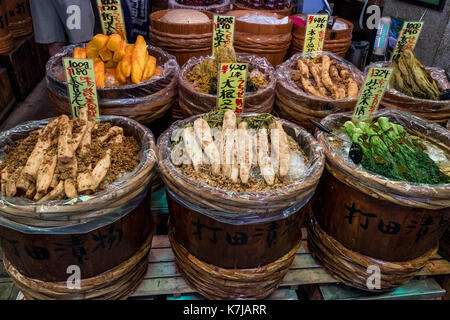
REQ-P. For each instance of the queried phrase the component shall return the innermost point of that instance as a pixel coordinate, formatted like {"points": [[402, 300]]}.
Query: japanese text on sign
{"points": [[315, 34], [407, 39], [223, 32], [231, 86], [371, 93], [82, 89], [111, 16]]}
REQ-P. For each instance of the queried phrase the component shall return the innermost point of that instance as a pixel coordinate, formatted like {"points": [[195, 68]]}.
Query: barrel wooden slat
{"points": [[6, 42]]}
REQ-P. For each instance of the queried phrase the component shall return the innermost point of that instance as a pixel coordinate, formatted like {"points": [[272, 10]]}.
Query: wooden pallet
{"points": [[163, 278]]}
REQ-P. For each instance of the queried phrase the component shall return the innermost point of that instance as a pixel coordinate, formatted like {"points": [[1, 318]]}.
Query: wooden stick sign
{"points": [[407, 38], [223, 32], [81, 85], [111, 17], [231, 86], [316, 27], [371, 93]]}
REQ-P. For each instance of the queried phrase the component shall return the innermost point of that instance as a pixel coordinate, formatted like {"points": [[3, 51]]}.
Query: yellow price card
{"points": [[371, 93], [316, 27], [231, 86], [111, 17], [82, 89], [407, 39], [223, 32]]}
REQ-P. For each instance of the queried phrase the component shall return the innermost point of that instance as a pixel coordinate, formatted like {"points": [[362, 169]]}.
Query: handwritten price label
{"points": [[81, 84], [316, 28], [231, 86], [111, 16], [407, 39], [223, 32], [371, 93]]}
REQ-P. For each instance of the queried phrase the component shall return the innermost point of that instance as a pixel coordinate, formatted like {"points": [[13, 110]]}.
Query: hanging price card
{"points": [[111, 16], [407, 38], [316, 28], [231, 86], [371, 93], [81, 84], [223, 32]]}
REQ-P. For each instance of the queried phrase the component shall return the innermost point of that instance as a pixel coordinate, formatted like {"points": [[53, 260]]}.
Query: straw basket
{"points": [[336, 41], [236, 245], [145, 102], [268, 41], [192, 102], [181, 40], [363, 220], [19, 23], [6, 42], [105, 236], [434, 110], [295, 105]]}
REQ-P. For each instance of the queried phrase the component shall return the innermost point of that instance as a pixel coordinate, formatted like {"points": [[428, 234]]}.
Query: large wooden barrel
{"points": [[192, 102], [104, 238], [434, 110], [336, 41], [19, 17], [363, 221], [6, 42], [181, 40], [219, 7], [295, 105], [240, 245], [146, 102], [268, 41]]}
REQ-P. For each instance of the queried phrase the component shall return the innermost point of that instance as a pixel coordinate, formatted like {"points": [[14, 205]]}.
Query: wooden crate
{"points": [[25, 65], [7, 99]]}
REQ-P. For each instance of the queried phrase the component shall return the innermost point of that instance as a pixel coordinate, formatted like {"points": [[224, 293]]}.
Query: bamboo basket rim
{"points": [[170, 67], [260, 29], [255, 61], [202, 194], [155, 21], [119, 190], [424, 195]]}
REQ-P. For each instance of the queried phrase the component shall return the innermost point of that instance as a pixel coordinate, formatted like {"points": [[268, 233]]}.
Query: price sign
{"points": [[231, 86], [371, 93], [316, 28], [81, 84], [111, 16], [407, 39], [223, 31]]}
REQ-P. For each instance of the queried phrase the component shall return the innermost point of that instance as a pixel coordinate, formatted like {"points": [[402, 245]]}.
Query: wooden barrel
{"points": [[6, 42], [226, 246], [363, 220], [336, 41], [221, 7], [434, 110], [146, 102], [282, 12], [293, 104], [192, 102], [268, 41], [103, 239], [19, 17], [181, 40]]}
